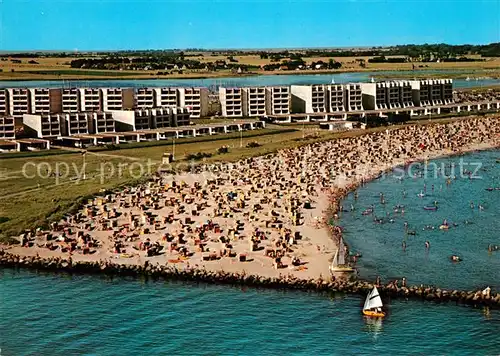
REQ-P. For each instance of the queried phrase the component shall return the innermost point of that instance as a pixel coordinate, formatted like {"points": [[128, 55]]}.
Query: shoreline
{"points": [[326, 202]]}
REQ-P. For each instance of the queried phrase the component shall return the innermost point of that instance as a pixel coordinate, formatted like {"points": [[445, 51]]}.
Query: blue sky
{"points": [[157, 24]]}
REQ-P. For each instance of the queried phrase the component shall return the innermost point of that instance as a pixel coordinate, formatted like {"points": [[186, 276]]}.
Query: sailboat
{"points": [[339, 264], [373, 305]]}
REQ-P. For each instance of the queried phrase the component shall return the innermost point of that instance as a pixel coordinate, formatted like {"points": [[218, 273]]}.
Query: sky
{"points": [[166, 24]]}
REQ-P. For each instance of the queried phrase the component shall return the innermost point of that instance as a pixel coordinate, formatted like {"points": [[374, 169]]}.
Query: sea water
{"points": [[245, 81], [471, 229], [58, 314]]}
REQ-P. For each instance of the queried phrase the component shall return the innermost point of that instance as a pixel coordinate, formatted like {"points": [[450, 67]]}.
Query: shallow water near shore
{"points": [[470, 231], [56, 314]]}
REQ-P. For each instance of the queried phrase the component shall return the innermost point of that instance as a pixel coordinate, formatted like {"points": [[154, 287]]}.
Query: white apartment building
{"points": [[7, 127], [406, 95], [70, 100], [101, 122], [132, 120], [43, 125], [4, 102], [309, 99], [393, 95], [145, 98], [117, 98], [231, 100], [19, 102], [45, 100], [254, 101], [353, 97], [167, 97], [278, 100], [336, 98], [90, 99], [195, 100], [169, 117], [76, 123], [374, 95], [447, 91]]}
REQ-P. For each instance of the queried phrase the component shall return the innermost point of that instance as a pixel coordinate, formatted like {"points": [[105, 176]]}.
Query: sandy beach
{"points": [[266, 216]]}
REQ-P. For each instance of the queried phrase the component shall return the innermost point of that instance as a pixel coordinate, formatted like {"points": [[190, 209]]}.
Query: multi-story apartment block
{"points": [[117, 98], [447, 91], [169, 117], [374, 95], [436, 92], [160, 118], [336, 98], [254, 101], [4, 102], [7, 127], [76, 123], [167, 97], [393, 95], [43, 125], [19, 102], [145, 98], [132, 120], [180, 116], [406, 95], [195, 100], [231, 100], [309, 98], [45, 100], [90, 99], [101, 122], [70, 100], [353, 97], [278, 100]]}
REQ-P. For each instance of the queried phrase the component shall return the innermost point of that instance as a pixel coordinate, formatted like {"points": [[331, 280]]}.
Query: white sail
{"points": [[341, 253], [334, 261], [373, 300]]}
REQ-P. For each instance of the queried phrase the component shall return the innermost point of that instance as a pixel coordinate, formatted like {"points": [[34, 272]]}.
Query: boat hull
{"points": [[342, 269], [373, 314]]}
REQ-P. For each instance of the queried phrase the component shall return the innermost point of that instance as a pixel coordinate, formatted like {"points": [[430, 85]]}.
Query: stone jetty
{"points": [[391, 290]]}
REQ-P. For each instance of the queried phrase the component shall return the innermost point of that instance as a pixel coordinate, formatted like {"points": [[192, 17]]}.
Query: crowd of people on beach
{"points": [[472, 96], [264, 215]]}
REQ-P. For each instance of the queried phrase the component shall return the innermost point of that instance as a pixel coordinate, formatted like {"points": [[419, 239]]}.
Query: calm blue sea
{"points": [[262, 80], [471, 229], [46, 314], [58, 314]]}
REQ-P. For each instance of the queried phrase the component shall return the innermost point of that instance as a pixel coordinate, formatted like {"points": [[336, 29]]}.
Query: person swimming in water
{"points": [[427, 245]]}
